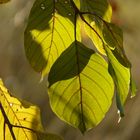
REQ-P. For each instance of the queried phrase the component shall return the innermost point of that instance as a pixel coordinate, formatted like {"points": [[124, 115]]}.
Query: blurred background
{"points": [[23, 82]]}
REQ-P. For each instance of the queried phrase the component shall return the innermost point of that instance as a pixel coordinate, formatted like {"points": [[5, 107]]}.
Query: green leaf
{"points": [[119, 66], [99, 7], [95, 12], [121, 75], [113, 37], [20, 120], [80, 87], [4, 1], [118, 100], [49, 32]]}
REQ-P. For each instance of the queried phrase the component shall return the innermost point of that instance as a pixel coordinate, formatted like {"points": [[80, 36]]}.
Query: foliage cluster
{"points": [[81, 80]]}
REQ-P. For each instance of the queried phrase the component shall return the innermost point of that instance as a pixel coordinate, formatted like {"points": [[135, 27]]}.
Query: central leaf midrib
{"points": [[80, 84], [53, 22]]}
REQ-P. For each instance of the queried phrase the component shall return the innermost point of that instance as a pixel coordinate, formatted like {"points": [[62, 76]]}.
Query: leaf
{"points": [[80, 87], [99, 7], [20, 120], [119, 66], [113, 37], [118, 100], [4, 1], [120, 74], [49, 32], [95, 12]]}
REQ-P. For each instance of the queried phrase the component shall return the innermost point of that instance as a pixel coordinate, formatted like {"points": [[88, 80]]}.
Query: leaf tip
{"points": [[83, 132], [82, 128], [121, 115], [132, 96], [41, 79], [119, 120]]}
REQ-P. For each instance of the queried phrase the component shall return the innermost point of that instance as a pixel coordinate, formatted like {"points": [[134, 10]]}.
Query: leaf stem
{"points": [[78, 12], [83, 127]]}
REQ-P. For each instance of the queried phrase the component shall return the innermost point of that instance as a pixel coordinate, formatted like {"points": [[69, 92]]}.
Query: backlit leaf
{"points": [[112, 34], [80, 87], [121, 76], [113, 37], [80, 81], [49, 32], [20, 120], [95, 12]]}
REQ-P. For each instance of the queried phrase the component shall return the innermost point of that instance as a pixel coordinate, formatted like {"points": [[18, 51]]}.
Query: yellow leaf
{"points": [[19, 120]]}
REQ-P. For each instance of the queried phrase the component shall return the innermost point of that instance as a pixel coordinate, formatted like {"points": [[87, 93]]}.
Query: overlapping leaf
{"points": [[121, 75], [119, 65], [20, 120], [80, 87], [94, 13], [99, 7], [113, 37], [49, 32]]}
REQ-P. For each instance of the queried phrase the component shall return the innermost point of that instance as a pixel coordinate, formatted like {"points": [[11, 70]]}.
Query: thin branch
{"points": [[93, 13], [78, 12]]}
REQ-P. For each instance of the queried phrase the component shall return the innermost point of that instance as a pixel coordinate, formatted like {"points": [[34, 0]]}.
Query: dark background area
{"points": [[23, 82]]}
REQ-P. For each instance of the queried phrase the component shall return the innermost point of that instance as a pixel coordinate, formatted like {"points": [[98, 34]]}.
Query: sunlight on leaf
{"points": [[92, 14], [119, 65], [101, 7], [81, 83], [113, 37], [80, 87], [20, 120], [49, 32], [120, 74]]}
